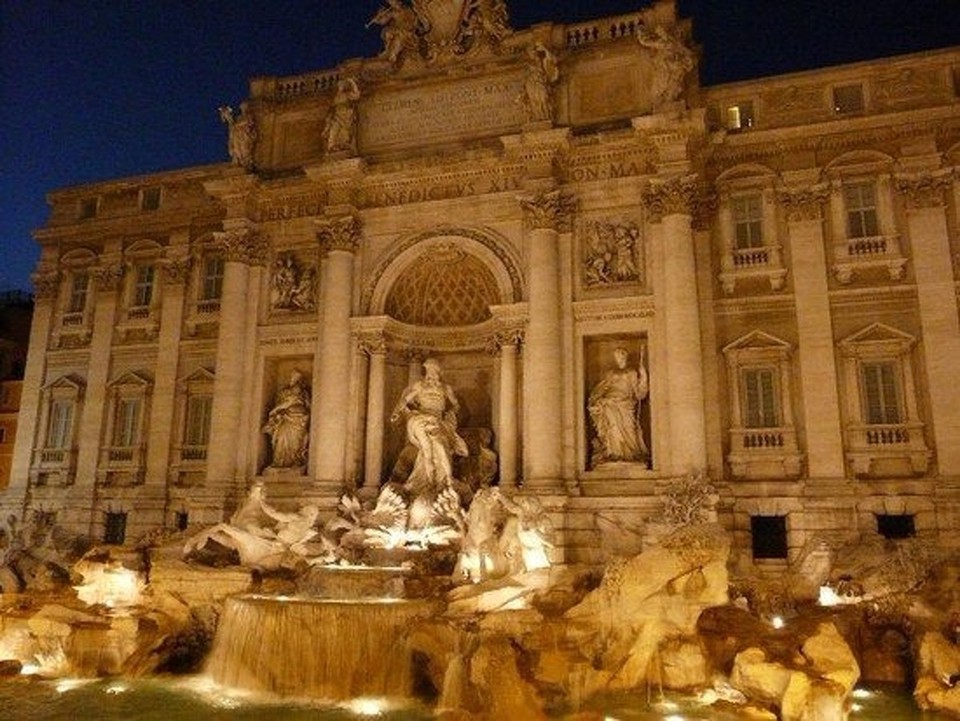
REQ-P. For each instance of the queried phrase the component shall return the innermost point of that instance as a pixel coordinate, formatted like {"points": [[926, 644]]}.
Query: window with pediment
{"points": [[762, 436], [195, 411], [54, 460], [884, 433], [751, 255], [123, 456], [865, 241]]}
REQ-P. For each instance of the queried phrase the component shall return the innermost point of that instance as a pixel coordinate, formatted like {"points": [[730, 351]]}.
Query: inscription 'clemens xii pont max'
{"points": [[442, 113]]}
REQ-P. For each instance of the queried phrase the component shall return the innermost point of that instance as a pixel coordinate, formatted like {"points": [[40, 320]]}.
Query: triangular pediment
{"points": [[70, 382], [132, 378], [879, 333], [757, 340], [200, 375]]}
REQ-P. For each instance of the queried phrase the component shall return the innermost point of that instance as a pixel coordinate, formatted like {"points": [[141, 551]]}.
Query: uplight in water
{"points": [[66, 685], [367, 706], [862, 693], [777, 622], [115, 689], [675, 717]]}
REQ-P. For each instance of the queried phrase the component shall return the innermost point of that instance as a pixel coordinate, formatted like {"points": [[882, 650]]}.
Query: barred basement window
{"points": [[115, 528], [769, 537], [895, 527], [182, 520]]}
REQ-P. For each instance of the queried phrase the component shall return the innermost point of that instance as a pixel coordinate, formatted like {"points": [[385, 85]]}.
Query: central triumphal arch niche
{"points": [[442, 294]]}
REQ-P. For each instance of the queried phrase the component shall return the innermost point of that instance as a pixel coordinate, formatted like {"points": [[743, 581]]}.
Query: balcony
{"points": [[894, 449], [53, 466], [855, 256], [764, 453], [742, 264]]}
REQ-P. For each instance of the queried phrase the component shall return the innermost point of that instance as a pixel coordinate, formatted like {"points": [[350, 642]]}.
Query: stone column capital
{"points": [[107, 277], [549, 210], [176, 270], [45, 285], [673, 196], [804, 203], [372, 343], [925, 190], [243, 244], [339, 233]]}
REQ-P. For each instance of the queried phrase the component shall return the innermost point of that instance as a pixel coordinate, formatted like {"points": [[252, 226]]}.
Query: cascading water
{"points": [[316, 647]]}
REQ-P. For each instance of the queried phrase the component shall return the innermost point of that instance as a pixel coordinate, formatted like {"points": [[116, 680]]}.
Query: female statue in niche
{"points": [[543, 72], [288, 424], [614, 407]]}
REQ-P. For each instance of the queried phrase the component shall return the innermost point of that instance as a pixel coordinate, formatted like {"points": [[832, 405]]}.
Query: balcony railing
{"points": [[878, 251], [765, 262], [605, 30], [887, 449], [764, 453], [193, 453]]}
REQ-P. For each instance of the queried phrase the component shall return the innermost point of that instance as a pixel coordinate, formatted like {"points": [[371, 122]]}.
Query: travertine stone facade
{"points": [[780, 256]]}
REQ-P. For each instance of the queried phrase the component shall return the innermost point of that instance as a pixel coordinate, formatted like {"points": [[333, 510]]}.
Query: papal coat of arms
{"points": [[437, 29]]}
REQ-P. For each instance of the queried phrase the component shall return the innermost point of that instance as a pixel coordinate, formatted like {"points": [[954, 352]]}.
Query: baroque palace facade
{"points": [[768, 269]]}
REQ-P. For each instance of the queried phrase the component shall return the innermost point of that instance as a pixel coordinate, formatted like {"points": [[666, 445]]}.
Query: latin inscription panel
{"points": [[441, 113]]}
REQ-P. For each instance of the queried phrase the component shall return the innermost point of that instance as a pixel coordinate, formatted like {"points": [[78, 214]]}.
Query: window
{"points": [[212, 284], [197, 431], [883, 431], [182, 520], [896, 527], [3, 434], [881, 404], [748, 221], [762, 435], [115, 528], [78, 292], [740, 116], [150, 198], [126, 431], [60, 429], [769, 537], [759, 397], [860, 201], [143, 286], [848, 99]]}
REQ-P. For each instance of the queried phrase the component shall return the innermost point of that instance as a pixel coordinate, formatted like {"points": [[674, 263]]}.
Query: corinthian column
{"points": [[509, 344], [546, 216], [926, 206], [671, 203], [339, 238], [818, 367], [243, 249]]}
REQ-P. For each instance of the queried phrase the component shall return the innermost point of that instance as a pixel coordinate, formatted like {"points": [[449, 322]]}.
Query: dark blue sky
{"points": [[98, 89]]}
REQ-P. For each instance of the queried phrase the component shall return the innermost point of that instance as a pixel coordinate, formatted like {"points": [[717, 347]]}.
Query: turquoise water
{"points": [[195, 700]]}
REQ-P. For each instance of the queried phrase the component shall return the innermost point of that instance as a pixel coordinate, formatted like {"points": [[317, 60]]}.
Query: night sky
{"points": [[100, 89]]}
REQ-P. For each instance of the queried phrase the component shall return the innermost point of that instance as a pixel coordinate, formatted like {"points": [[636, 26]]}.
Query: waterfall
{"points": [[320, 648]]}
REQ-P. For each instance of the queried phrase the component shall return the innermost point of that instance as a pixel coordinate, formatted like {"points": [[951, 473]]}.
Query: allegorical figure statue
{"points": [[429, 407], [614, 407], [543, 72], [672, 61], [398, 29], [242, 135], [288, 424], [340, 131]]}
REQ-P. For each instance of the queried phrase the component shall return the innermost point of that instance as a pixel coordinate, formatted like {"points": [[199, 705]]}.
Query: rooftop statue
{"points": [[437, 29], [672, 61], [543, 72], [242, 135], [340, 129]]}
